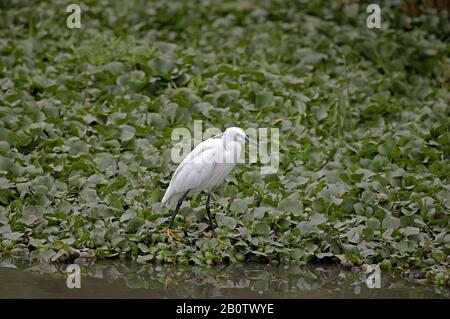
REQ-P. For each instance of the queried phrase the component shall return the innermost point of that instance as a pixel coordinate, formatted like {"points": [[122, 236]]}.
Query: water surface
{"points": [[118, 279]]}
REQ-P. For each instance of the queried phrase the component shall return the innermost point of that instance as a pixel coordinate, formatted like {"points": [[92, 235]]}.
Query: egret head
{"points": [[238, 135]]}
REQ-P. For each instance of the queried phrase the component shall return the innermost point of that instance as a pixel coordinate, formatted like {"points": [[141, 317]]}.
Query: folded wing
{"points": [[194, 171]]}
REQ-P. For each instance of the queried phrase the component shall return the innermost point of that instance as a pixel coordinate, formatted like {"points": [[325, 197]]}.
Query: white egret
{"points": [[203, 169]]}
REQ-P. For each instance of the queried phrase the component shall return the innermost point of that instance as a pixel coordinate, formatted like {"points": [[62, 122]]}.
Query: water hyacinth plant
{"points": [[86, 117]]}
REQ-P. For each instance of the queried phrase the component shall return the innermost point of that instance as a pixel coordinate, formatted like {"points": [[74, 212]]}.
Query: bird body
{"points": [[204, 168]]}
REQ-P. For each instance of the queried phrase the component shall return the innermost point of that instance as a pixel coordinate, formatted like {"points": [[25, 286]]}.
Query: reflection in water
{"points": [[118, 279]]}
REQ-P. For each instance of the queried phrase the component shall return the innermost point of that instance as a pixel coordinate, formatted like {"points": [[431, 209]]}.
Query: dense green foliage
{"points": [[87, 115]]}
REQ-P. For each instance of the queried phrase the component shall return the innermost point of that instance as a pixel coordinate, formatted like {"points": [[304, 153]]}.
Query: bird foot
{"points": [[220, 241], [170, 233], [167, 281]]}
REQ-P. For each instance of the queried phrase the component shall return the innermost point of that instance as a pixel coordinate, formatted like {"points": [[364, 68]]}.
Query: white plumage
{"points": [[205, 168], [200, 170]]}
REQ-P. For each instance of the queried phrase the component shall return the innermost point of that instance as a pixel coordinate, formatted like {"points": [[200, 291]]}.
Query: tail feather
{"points": [[171, 197], [166, 198]]}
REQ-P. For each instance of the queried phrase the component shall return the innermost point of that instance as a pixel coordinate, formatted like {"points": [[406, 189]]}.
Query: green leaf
{"points": [[297, 253], [78, 147], [373, 223], [12, 235], [263, 99], [226, 221], [134, 224], [240, 205], [408, 231], [143, 248], [127, 133], [89, 195], [390, 222], [162, 67], [290, 205], [261, 228], [32, 214], [317, 219], [105, 162]]}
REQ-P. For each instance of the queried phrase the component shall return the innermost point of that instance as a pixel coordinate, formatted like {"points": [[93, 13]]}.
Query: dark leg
{"points": [[208, 210], [177, 208]]}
